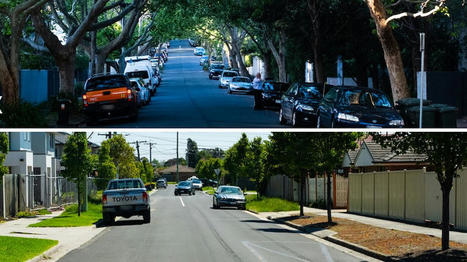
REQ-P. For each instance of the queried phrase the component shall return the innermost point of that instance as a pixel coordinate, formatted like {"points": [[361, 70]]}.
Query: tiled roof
{"points": [[181, 169], [381, 154]]}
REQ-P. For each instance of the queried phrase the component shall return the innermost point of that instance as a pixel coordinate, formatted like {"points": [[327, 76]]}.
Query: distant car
{"points": [[197, 184], [299, 104], [109, 96], [204, 59], [240, 84], [215, 70], [161, 183], [226, 77], [357, 107], [184, 187], [229, 196], [270, 94], [199, 51]]}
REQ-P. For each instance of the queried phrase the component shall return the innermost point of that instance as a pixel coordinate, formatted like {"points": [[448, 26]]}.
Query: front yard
{"points": [[69, 218], [270, 204], [13, 249]]}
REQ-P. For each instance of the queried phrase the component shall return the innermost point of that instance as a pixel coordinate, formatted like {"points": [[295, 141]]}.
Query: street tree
{"points": [[205, 167], [122, 155], [4, 147], [236, 160], [106, 169], [445, 152], [256, 157], [148, 170], [77, 162], [192, 154]]}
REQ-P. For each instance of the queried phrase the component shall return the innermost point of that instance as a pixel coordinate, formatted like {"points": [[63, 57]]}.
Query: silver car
{"points": [[226, 77], [240, 84], [229, 196]]}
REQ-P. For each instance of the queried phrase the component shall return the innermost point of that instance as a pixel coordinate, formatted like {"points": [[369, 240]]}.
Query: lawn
{"points": [[14, 249], [171, 183], [208, 189], [69, 218], [269, 204]]}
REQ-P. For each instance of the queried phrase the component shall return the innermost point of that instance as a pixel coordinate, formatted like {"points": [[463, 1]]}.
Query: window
{"points": [[292, 90], [125, 184], [331, 96], [51, 141]]}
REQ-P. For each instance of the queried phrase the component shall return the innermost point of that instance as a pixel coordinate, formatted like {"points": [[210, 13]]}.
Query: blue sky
{"points": [[165, 141]]}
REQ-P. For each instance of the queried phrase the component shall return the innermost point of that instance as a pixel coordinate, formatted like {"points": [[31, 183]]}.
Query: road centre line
{"points": [[250, 246], [325, 252], [183, 204]]}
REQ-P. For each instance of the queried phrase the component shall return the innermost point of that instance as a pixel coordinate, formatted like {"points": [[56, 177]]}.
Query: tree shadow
{"points": [[276, 230], [257, 221], [100, 223], [435, 255]]}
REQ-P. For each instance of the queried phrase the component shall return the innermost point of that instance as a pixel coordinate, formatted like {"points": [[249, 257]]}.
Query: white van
{"points": [[142, 69]]}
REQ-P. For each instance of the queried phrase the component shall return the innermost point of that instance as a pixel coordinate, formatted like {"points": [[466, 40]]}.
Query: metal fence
{"points": [[27, 192], [410, 195]]}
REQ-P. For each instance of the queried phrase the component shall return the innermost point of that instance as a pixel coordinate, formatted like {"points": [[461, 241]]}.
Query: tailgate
{"points": [[107, 95], [125, 197]]}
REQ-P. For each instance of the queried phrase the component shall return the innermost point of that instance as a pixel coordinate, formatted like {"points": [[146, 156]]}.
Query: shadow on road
{"points": [[257, 221], [276, 230], [452, 255], [101, 223]]}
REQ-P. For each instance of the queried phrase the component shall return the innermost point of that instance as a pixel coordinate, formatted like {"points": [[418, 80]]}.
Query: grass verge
{"points": [[269, 204], [171, 183], [208, 189], [22, 249], [69, 218]]}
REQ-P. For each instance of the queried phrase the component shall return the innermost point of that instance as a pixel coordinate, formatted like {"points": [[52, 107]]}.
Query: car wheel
{"points": [[230, 91], [147, 217], [242, 207], [210, 77], [281, 118], [194, 192], [318, 122], [214, 205], [295, 122], [108, 218], [333, 123]]}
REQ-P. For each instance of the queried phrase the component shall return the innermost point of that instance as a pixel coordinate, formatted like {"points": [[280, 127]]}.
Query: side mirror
{"points": [[138, 89]]}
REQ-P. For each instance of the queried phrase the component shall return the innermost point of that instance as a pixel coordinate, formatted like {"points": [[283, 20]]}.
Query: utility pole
{"points": [[150, 152], [422, 77], [177, 159], [137, 148], [107, 135]]}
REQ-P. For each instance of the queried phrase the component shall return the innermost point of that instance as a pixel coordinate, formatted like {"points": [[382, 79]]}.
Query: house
{"points": [[371, 156], [184, 172], [20, 158]]}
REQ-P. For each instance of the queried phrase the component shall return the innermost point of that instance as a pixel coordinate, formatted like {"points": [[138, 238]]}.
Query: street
{"points": [[187, 98], [187, 228]]}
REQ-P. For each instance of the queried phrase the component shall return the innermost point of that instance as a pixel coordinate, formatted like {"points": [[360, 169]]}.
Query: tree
{"points": [[106, 169], [445, 153], [77, 162], [122, 155], [148, 170], [205, 168], [13, 20], [256, 157], [4, 146], [192, 154], [173, 161], [236, 161]]}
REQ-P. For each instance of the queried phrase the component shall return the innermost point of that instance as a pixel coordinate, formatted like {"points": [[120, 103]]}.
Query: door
{"points": [[288, 101], [326, 107]]}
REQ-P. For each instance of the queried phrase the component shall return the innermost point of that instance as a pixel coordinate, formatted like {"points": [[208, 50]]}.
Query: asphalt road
{"points": [[187, 98], [186, 228]]}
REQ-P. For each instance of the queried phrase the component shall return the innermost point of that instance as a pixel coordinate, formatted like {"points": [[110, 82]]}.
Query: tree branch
{"points": [[35, 45], [421, 13]]}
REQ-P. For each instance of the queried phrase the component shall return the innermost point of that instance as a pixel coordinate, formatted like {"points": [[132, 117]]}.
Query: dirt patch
{"points": [[390, 242]]}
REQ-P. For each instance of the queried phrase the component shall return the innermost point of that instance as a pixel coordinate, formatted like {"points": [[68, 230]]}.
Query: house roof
{"points": [[385, 155], [181, 169], [61, 138]]}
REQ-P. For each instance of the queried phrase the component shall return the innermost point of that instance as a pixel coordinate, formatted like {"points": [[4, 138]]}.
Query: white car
{"points": [[143, 69], [197, 184], [240, 84], [145, 96], [199, 51], [226, 77]]}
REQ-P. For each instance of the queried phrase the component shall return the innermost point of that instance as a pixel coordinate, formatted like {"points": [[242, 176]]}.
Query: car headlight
{"points": [[347, 117], [398, 122], [233, 85], [266, 95], [301, 107]]}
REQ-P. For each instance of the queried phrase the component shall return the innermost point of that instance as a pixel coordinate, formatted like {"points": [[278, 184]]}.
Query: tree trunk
{"points": [[328, 202], [232, 57], [302, 195], [267, 65], [79, 197], [313, 12], [280, 55], [100, 62], [392, 54], [445, 220], [9, 82], [242, 67], [66, 67]]}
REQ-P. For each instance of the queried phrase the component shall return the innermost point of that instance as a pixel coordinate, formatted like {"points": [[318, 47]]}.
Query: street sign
{"points": [[217, 171]]}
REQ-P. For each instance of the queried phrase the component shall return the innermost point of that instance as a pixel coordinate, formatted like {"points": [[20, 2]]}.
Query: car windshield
{"points": [[276, 87], [230, 74], [106, 83], [217, 66], [140, 74], [311, 91], [230, 190], [125, 184], [241, 79], [365, 98], [196, 181], [185, 183]]}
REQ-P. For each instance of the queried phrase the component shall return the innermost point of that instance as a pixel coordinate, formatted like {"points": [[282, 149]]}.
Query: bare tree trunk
{"points": [[79, 197], [232, 57], [280, 55], [392, 54], [445, 220], [66, 65], [328, 202], [9, 81], [267, 65], [302, 195], [314, 12]]}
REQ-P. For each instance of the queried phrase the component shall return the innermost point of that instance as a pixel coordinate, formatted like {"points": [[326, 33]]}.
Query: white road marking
{"points": [[251, 246], [183, 204], [325, 252]]}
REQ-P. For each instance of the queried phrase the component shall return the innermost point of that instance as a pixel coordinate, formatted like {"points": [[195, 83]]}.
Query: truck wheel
{"points": [[108, 218], [147, 217]]}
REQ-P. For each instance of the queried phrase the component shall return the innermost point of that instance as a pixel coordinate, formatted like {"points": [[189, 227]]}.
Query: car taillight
{"points": [[129, 94], [145, 197], [104, 199], [85, 100]]}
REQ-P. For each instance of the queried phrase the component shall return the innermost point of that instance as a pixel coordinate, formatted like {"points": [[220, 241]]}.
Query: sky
{"points": [[166, 141]]}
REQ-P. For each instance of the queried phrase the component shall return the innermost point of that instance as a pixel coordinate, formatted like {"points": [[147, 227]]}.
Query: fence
{"points": [[409, 195], [27, 192], [315, 189]]}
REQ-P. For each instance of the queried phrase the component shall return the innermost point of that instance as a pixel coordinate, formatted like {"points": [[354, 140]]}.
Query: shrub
{"points": [[23, 114], [21, 214]]}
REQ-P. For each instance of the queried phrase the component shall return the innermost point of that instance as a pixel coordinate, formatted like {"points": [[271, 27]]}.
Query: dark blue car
{"points": [[357, 107]]}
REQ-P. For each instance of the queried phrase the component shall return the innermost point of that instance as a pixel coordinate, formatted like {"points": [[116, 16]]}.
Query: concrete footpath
{"points": [[460, 237]]}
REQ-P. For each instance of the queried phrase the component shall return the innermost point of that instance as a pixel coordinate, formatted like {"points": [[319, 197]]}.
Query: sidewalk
{"points": [[388, 224], [69, 238]]}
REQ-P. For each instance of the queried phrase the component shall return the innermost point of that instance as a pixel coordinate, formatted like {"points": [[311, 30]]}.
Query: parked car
{"points": [[357, 107], [125, 197], [184, 187], [161, 183], [299, 104], [229, 196], [143, 69], [270, 94], [199, 51], [240, 84], [143, 91], [204, 59], [197, 184], [215, 70], [109, 96], [226, 77]]}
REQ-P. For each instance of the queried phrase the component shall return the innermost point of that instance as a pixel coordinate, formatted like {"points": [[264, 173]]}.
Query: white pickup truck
{"points": [[125, 197]]}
